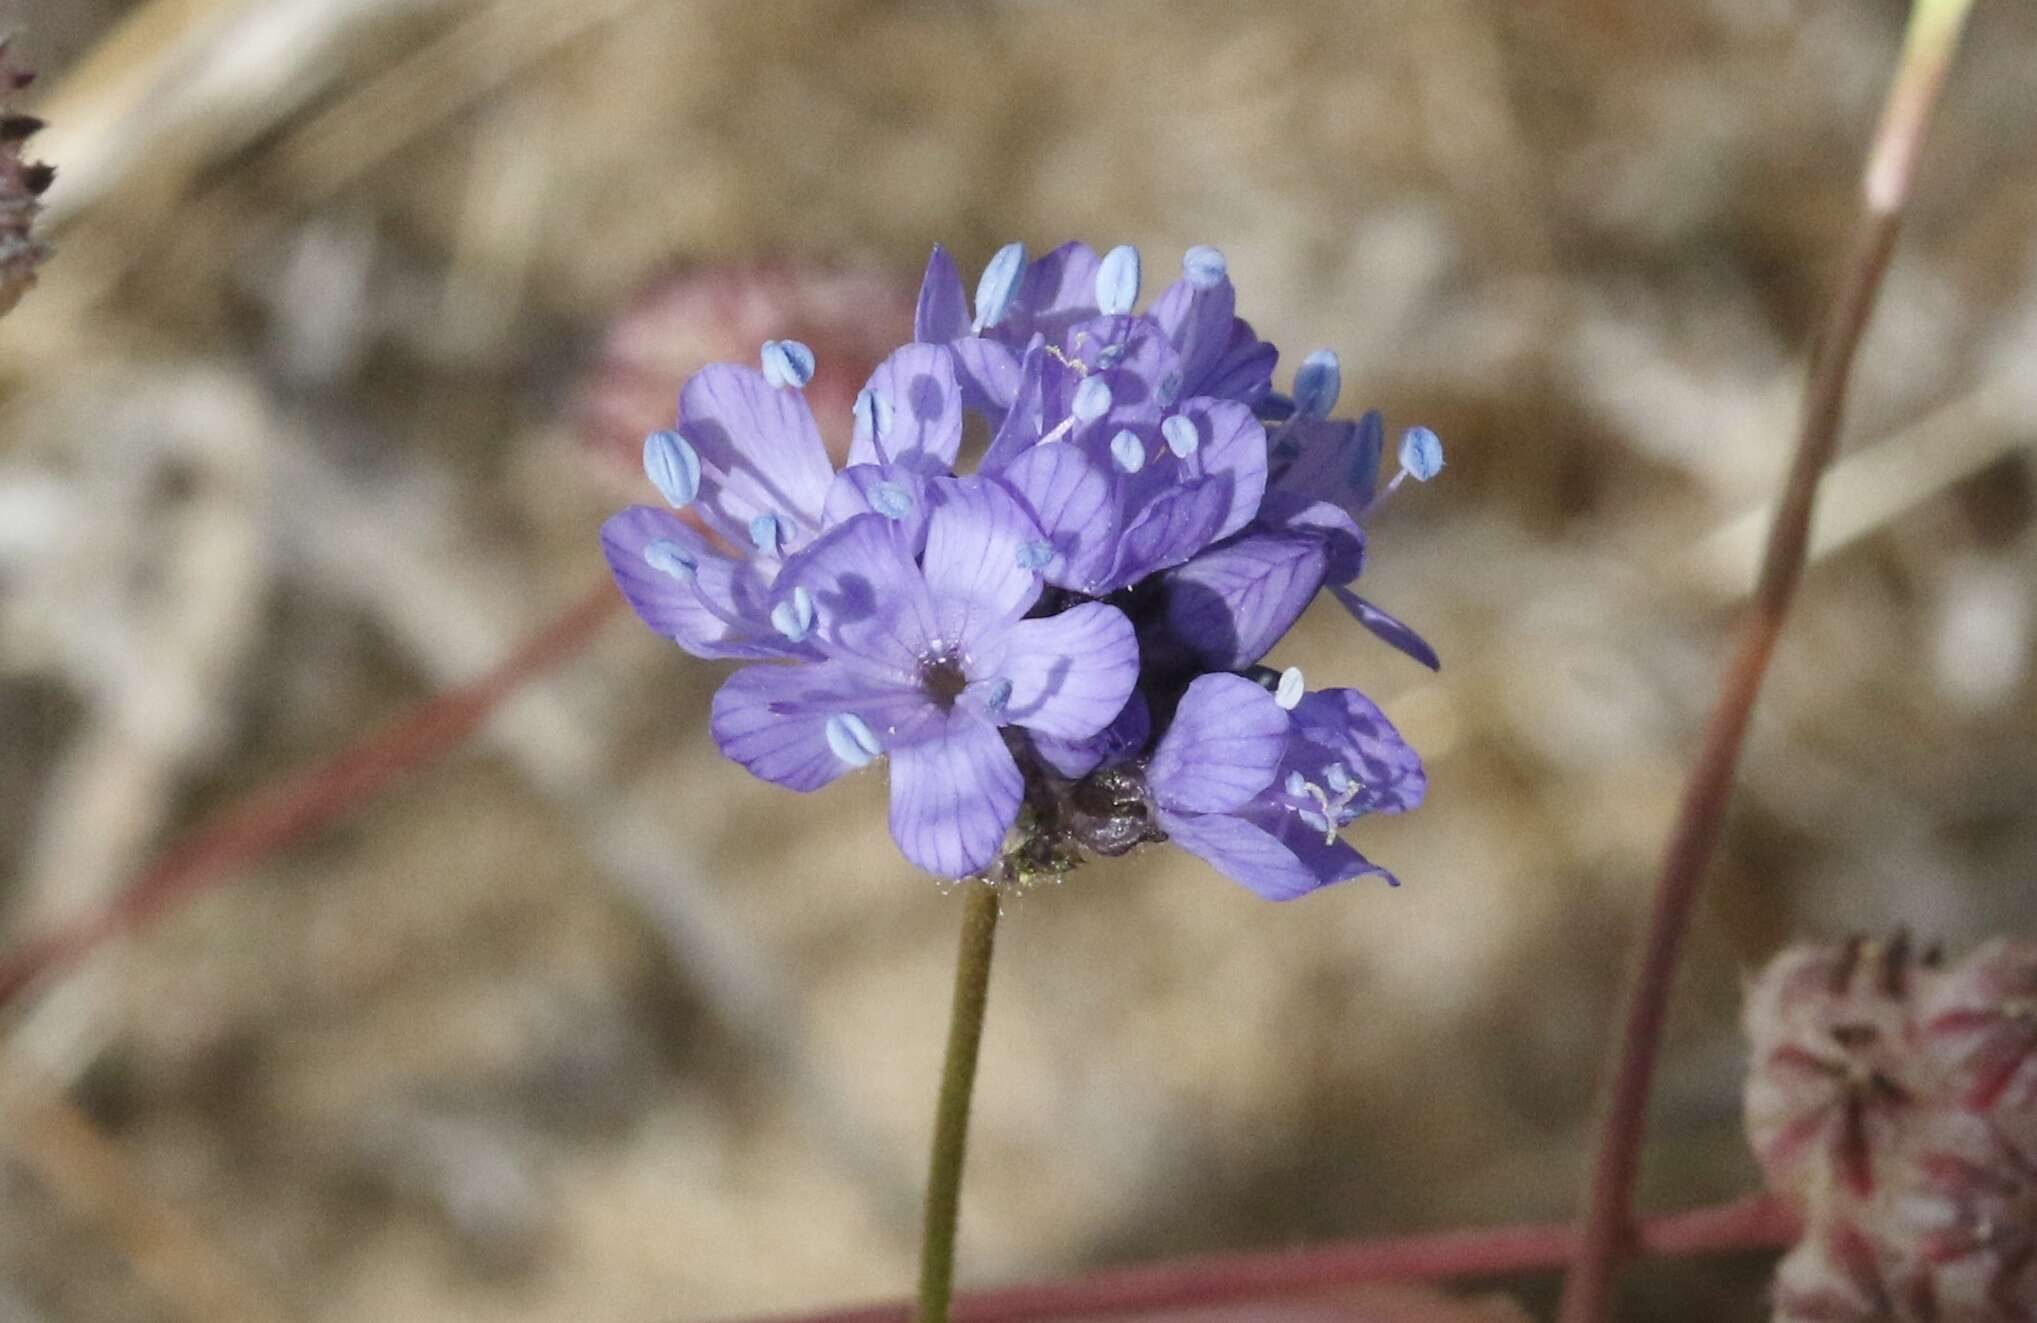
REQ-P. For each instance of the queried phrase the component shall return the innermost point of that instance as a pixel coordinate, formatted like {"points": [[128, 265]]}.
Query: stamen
{"points": [[794, 618], [1204, 266], [1184, 438], [891, 500], [997, 694], [999, 286], [1290, 689], [1035, 556], [1338, 779], [1117, 281], [1127, 451], [1168, 391], [1092, 400], [852, 739], [787, 363], [670, 558], [1297, 785], [873, 415], [768, 533], [1421, 456], [1317, 383], [1320, 823], [673, 467]]}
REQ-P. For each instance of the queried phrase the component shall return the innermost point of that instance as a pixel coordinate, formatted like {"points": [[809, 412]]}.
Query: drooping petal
{"points": [[1125, 737], [870, 604], [1070, 499], [1070, 673], [1221, 749], [718, 608], [1389, 629], [978, 567], [917, 404], [955, 792], [1329, 859], [1231, 604], [1343, 540], [897, 493], [1245, 853], [774, 719], [1344, 727], [765, 453], [943, 311], [1174, 526]]}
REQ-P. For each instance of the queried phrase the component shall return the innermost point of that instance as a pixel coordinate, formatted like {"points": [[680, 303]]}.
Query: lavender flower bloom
{"points": [[924, 663], [1261, 793]]}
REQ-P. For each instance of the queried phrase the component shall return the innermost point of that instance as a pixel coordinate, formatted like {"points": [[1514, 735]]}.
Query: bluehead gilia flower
{"points": [[1055, 643]]}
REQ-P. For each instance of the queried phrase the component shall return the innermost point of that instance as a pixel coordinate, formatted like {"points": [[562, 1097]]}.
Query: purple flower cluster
{"points": [[1058, 653]]}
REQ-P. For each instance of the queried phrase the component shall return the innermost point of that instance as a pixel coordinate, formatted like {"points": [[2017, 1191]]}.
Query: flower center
{"points": [[942, 680]]}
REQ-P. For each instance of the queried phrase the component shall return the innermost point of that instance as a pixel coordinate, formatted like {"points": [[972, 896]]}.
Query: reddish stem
{"points": [[309, 800], [1754, 1223]]}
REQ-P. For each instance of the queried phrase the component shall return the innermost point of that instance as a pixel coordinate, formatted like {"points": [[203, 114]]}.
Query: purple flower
{"points": [[923, 663], [1261, 793]]}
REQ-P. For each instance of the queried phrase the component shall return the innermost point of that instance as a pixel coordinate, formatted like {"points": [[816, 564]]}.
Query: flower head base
{"points": [[1056, 655]]}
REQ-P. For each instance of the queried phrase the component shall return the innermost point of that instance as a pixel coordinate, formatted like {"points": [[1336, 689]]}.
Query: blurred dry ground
{"points": [[316, 411]]}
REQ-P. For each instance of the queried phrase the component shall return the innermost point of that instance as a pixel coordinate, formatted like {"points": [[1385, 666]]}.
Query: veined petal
{"points": [[1243, 371], [1070, 499], [1230, 444], [1059, 290], [1222, 748], [943, 311], [955, 792], [975, 574], [1389, 629], [989, 375], [1344, 727], [773, 719], [760, 441], [921, 413], [720, 609], [1123, 738], [1232, 603], [1173, 527], [870, 604], [1070, 673], [1243, 852], [1198, 322], [897, 493]]}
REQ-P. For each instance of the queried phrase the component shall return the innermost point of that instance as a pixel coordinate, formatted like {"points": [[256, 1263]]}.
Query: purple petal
{"points": [[1124, 738], [870, 603], [943, 311], [989, 375], [773, 719], [1231, 604], [1070, 499], [1173, 526], [1245, 853], [922, 411], [1243, 371], [764, 452], [897, 493], [1070, 674], [1059, 290], [1041, 377], [1343, 540], [1389, 629], [955, 792], [1221, 749], [1329, 459], [1345, 727], [1198, 323], [1232, 445], [721, 610], [974, 571]]}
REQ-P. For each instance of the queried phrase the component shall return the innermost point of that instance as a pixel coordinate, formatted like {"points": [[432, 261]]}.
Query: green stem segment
{"points": [[951, 1115]]}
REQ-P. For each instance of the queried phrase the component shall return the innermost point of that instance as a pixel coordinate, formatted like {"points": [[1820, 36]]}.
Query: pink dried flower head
{"points": [[1831, 1084], [22, 183], [1980, 1030], [1962, 1215]]}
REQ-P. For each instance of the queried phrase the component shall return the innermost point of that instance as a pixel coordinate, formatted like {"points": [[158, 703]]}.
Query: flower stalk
{"points": [[951, 1113], [1928, 47]]}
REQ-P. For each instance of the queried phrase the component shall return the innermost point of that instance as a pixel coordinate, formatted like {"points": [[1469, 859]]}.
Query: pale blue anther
{"points": [[1127, 451], [1297, 785], [672, 467], [999, 286], [1204, 266], [1117, 281], [1317, 821], [768, 533], [890, 500], [1338, 779], [1317, 383], [1289, 691], [1421, 453], [1110, 356], [794, 617], [1183, 437], [851, 739], [787, 363], [669, 557], [997, 695], [1092, 400], [874, 413], [1168, 391], [1035, 556]]}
